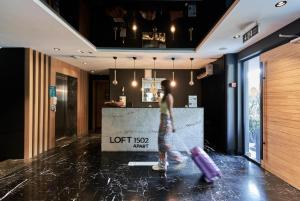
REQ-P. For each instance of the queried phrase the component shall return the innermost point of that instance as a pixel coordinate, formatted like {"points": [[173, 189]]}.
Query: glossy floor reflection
{"points": [[80, 171]]}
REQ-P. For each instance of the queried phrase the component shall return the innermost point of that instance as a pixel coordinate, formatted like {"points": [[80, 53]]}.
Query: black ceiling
{"points": [[96, 19]]}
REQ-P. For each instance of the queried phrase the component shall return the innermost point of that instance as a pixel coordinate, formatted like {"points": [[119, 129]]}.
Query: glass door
{"points": [[252, 108]]}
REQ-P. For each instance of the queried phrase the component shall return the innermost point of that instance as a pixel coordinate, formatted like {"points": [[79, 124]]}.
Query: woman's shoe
{"points": [[160, 166]]}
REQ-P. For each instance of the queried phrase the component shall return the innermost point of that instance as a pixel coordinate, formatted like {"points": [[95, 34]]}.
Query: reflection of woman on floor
{"points": [[166, 128]]}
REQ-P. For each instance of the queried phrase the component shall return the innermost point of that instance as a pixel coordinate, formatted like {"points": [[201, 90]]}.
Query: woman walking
{"points": [[166, 127]]}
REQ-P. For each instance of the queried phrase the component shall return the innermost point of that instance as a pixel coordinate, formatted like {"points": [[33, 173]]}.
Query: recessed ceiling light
{"points": [[84, 63], [222, 48], [280, 4], [92, 71], [56, 49], [237, 36]]}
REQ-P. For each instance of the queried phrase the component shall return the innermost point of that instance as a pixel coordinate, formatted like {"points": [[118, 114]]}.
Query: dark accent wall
{"points": [[134, 95], [219, 103], [213, 102], [12, 79], [231, 102], [93, 78]]}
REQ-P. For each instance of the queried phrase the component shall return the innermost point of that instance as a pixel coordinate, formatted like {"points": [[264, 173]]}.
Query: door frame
{"points": [[65, 76], [243, 74]]}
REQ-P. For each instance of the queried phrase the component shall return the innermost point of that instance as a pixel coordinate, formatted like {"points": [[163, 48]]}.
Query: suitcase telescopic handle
{"points": [[183, 144]]}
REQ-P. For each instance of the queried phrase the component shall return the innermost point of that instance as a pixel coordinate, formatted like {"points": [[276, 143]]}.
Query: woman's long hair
{"points": [[167, 88]]}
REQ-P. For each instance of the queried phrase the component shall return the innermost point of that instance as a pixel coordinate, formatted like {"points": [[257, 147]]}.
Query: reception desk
{"points": [[136, 129]]}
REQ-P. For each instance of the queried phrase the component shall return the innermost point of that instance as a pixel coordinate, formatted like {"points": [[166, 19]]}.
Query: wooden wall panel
{"points": [[36, 103], [46, 102], [82, 116], [28, 124], [281, 113], [41, 103], [39, 120]]}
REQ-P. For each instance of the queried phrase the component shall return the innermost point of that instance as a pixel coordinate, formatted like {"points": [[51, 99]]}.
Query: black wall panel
{"points": [[12, 79], [134, 95], [213, 101]]}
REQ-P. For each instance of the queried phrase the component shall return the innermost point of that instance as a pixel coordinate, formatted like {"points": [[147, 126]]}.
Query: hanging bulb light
{"points": [[173, 29], [134, 27], [134, 82], [154, 71], [191, 83], [153, 88], [173, 83], [115, 82]]}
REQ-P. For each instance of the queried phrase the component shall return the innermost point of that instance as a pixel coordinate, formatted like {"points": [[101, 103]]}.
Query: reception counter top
{"points": [[136, 129]]}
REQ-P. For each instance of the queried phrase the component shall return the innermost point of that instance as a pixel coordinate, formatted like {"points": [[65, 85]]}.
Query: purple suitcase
{"points": [[206, 164]]}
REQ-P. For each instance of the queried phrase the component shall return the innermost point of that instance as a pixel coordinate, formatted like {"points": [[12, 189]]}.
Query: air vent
{"points": [[205, 72]]}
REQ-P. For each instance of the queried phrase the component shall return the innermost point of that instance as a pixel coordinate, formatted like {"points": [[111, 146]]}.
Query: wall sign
{"points": [[52, 91], [53, 98], [192, 101], [248, 35]]}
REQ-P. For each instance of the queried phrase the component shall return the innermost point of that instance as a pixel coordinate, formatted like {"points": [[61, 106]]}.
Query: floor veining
{"points": [[80, 171]]}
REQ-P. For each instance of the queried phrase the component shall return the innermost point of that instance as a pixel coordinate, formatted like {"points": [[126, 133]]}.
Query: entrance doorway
{"points": [[66, 109], [252, 109]]}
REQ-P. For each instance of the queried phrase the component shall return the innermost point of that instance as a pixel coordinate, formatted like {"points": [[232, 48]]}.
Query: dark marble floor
{"points": [[79, 171]]}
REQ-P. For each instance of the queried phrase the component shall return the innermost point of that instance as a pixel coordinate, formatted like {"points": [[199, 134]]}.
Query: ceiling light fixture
{"points": [[173, 83], [84, 63], [134, 27], [134, 82], [191, 83], [280, 4], [154, 72], [237, 36], [56, 49], [153, 88], [115, 82], [173, 29], [92, 71]]}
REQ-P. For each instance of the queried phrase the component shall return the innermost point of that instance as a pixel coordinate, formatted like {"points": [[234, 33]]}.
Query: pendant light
{"points": [[115, 82], [134, 82], [191, 83], [153, 88], [173, 83], [173, 29], [154, 71], [134, 26]]}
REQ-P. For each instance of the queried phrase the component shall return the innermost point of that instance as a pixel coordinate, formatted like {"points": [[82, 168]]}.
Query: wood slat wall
{"points": [[281, 113], [39, 120], [82, 115], [36, 103]]}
